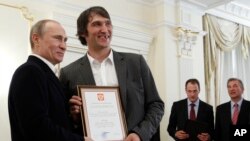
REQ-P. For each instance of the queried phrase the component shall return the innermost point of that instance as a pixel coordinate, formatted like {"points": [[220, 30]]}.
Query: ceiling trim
{"points": [[232, 12]]}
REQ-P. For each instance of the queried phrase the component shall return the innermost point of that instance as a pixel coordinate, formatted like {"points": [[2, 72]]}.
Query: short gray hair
{"points": [[236, 79], [39, 28]]}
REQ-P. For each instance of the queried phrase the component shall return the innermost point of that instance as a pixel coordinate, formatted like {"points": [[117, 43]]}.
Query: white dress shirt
{"points": [[195, 107], [104, 72], [232, 106]]}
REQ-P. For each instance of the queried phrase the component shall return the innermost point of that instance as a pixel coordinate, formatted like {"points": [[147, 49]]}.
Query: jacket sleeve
{"points": [[154, 106], [172, 125]]}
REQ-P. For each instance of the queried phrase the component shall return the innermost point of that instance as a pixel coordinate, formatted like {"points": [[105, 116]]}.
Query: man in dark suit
{"points": [[37, 104], [103, 66], [181, 113], [235, 112]]}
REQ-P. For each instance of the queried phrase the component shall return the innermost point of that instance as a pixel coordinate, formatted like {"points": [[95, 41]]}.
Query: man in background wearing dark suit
{"points": [[37, 104], [234, 112], [102, 66], [181, 112]]}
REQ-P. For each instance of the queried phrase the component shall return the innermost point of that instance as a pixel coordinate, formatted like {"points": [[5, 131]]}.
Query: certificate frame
{"points": [[102, 114]]}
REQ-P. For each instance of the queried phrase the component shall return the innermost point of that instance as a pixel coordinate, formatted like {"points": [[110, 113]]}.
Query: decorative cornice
{"points": [[191, 7], [27, 15], [150, 3], [25, 11], [233, 12], [238, 10], [64, 5]]}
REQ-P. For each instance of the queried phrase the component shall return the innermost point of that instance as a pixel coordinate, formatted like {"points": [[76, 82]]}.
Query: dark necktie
{"points": [[192, 112], [235, 114]]}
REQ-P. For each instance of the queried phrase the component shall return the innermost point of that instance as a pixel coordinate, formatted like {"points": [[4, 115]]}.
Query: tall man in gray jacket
{"points": [[103, 66]]}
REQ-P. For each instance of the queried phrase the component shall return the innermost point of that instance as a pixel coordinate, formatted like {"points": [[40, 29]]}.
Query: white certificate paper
{"points": [[102, 114]]}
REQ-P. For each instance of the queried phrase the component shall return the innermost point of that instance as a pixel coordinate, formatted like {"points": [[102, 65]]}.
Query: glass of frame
{"points": [[103, 118]]}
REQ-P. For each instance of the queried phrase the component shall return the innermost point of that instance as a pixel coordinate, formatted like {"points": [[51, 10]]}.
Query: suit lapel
{"points": [[200, 110], [57, 83], [120, 66], [243, 113], [51, 75], [185, 108], [227, 116], [85, 70]]}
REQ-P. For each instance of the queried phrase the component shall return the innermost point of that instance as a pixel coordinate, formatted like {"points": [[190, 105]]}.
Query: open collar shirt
{"points": [[104, 72]]}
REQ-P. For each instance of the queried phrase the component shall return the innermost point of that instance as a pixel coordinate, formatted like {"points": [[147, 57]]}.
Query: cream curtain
{"points": [[223, 37]]}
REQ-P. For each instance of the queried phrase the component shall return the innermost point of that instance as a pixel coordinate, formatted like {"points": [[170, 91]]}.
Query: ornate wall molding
{"points": [[24, 10], [233, 12], [186, 40], [150, 3], [237, 10]]}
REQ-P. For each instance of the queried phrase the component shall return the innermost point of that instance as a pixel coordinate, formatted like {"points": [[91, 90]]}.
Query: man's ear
{"points": [[35, 38], [83, 35]]}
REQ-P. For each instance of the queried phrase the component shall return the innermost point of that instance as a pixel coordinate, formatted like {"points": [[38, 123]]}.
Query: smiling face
{"points": [[235, 90], [99, 33], [51, 45]]}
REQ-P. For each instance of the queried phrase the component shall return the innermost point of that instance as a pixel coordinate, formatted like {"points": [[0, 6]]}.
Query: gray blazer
{"points": [[141, 102]]}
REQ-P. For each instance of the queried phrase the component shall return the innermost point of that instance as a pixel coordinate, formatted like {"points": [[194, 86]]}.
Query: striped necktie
{"points": [[192, 112], [235, 114]]}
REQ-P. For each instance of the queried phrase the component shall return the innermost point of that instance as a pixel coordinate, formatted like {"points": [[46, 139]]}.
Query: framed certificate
{"points": [[102, 115]]}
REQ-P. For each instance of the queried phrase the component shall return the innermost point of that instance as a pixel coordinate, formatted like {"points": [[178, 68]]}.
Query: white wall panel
{"points": [[14, 47]]}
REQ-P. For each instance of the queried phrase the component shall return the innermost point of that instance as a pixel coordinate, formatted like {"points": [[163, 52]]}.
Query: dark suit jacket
{"points": [[142, 105], [37, 105], [179, 116], [223, 119]]}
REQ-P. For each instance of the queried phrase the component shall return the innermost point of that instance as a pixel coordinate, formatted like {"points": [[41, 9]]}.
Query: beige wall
{"points": [[13, 51]]}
